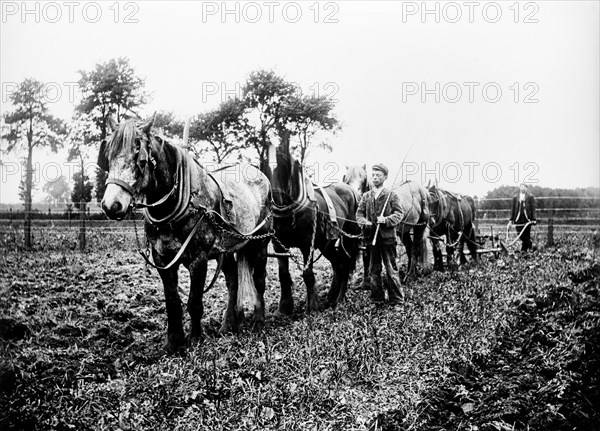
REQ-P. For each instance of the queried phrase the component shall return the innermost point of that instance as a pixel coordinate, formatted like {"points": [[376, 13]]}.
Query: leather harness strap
{"points": [[328, 201]]}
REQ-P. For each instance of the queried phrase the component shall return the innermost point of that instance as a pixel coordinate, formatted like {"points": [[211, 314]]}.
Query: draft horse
{"points": [[414, 201], [311, 218], [357, 178], [452, 216], [191, 216]]}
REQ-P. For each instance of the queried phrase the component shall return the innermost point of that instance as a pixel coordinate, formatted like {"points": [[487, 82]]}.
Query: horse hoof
{"points": [[175, 343], [286, 308], [258, 325], [196, 340]]}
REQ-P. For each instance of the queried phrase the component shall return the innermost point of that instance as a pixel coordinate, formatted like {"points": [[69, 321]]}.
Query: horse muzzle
{"points": [[116, 210]]}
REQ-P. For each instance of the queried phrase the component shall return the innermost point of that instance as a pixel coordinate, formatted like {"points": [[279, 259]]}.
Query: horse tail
{"points": [[471, 202], [247, 297], [424, 248]]}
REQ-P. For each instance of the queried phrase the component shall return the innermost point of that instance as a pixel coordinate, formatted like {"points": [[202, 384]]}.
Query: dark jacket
{"points": [[523, 213], [370, 208]]}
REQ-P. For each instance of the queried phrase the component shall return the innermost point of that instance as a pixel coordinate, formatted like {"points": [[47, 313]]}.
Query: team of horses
{"points": [[192, 216]]}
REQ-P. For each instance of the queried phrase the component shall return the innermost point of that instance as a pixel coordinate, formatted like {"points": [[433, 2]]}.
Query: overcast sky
{"points": [[487, 93]]}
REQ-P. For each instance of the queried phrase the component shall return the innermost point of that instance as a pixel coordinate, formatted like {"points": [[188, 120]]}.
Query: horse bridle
{"points": [[439, 217], [135, 192]]}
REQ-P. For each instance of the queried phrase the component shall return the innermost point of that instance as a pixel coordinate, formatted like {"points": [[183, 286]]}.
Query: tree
{"points": [[31, 126], [264, 98], [81, 135], [268, 108], [306, 116], [221, 129], [82, 191], [57, 191], [111, 88], [167, 124]]}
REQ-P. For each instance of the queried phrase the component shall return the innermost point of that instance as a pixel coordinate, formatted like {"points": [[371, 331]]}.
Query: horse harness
{"points": [[220, 220], [458, 199]]}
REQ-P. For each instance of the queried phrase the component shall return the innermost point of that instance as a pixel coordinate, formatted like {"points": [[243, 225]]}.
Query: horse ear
{"points": [[112, 124], [365, 166], [147, 126], [428, 186], [102, 159]]}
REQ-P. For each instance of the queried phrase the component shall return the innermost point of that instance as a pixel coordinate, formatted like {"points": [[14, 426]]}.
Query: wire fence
{"points": [[59, 227]]}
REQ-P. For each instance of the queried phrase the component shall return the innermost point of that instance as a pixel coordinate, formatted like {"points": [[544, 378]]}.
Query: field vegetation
{"points": [[511, 343]]}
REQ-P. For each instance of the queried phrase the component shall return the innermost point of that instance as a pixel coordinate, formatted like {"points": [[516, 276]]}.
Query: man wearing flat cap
{"points": [[380, 206]]}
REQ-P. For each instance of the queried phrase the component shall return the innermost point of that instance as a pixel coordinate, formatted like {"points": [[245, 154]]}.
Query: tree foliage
{"points": [[305, 117], [82, 190], [222, 130], [269, 106], [29, 126], [169, 125], [110, 89], [57, 190], [501, 197]]}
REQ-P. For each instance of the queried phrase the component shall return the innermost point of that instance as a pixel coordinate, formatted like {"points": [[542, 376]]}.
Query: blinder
{"points": [[102, 159], [143, 160]]}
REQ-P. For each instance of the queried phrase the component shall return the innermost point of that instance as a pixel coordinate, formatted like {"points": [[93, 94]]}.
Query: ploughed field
{"points": [[511, 343]]}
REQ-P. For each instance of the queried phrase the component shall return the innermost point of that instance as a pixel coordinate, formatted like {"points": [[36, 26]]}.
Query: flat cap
{"points": [[381, 167]]}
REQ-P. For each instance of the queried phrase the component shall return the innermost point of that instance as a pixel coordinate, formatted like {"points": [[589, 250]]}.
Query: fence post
{"points": [[550, 241], [81, 226], [492, 235]]}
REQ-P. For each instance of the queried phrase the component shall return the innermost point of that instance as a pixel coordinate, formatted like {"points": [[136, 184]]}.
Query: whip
{"points": [[390, 193]]}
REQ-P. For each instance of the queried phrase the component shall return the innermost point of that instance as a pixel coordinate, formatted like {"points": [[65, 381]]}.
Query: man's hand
{"points": [[380, 220], [534, 222], [510, 222], [365, 223]]}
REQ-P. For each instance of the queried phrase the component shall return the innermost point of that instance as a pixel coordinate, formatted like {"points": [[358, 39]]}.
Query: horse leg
{"points": [[408, 245], [347, 265], [366, 262], [258, 262], [230, 319], [461, 249], [472, 245], [450, 253], [438, 263], [175, 336], [312, 300], [195, 305], [286, 301]]}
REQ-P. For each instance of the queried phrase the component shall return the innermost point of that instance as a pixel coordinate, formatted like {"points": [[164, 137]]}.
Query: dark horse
{"points": [[452, 216], [302, 219], [190, 216], [357, 178]]}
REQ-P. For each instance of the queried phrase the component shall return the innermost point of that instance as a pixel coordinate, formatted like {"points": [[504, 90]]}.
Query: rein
{"points": [[183, 181]]}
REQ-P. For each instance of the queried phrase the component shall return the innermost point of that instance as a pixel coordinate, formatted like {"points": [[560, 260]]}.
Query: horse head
{"points": [[437, 204], [357, 178], [129, 155], [287, 181]]}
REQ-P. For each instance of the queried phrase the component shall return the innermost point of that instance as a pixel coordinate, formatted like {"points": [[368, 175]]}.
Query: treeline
{"points": [[564, 203], [241, 128]]}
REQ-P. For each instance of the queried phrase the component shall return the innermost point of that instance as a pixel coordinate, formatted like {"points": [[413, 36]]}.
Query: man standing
{"points": [[381, 207], [523, 212]]}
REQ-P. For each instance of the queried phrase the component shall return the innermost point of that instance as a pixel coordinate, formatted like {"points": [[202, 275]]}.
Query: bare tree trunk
{"points": [[28, 188], [82, 226], [82, 206]]}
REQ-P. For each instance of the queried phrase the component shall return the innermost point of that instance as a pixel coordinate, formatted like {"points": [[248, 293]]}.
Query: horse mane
{"points": [[123, 139]]}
